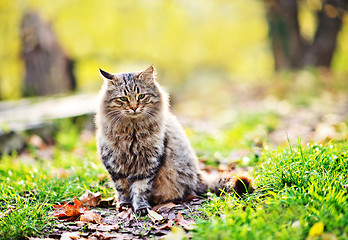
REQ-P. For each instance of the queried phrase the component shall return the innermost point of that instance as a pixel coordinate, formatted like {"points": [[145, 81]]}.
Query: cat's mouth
{"points": [[134, 114]]}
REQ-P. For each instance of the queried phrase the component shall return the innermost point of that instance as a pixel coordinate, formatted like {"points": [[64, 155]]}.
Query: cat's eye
{"points": [[124, 98], [141, 96]]}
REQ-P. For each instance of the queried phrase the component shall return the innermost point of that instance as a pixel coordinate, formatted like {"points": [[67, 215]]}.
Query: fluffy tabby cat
{"points": [[143, 146]]}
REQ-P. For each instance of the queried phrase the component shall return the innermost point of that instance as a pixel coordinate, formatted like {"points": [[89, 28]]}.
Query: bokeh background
{"points": [[183, 39], [276, 67]]}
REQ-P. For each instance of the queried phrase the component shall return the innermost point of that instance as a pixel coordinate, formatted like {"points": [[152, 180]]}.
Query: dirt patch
{"points": [[125, 225]]}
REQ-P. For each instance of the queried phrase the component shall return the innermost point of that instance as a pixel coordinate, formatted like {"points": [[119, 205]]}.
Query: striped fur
{"points": [[141, 144]]}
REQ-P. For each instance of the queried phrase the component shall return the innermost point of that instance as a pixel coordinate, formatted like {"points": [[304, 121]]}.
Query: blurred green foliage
{"points": [[178, 36]]}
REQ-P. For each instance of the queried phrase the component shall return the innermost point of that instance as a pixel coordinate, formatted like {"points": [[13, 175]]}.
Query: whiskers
{"points": [[111, 112], [115, 115], [116, 118], [148, 115], [151, 116]]}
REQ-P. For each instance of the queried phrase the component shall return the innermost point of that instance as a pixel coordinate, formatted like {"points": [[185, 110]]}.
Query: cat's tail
{"points": [[239, 183]]}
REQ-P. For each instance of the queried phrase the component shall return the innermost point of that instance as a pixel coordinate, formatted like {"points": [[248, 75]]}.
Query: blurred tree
{"points": [[290, 50], [48, 69]]}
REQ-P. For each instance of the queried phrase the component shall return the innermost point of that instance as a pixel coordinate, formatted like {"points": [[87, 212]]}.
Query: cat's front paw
{"points": [[142, 211], [141, 208], [124, 206]]}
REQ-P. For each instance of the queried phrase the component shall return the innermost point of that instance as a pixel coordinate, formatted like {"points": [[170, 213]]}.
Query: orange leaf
{"points": [[69, 212], [59, 210], [89, 216], [168, 205], [187, 224], [90, 199]]}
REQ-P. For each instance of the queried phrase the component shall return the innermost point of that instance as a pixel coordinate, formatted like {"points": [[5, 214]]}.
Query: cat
{"points": [[144, 147]]}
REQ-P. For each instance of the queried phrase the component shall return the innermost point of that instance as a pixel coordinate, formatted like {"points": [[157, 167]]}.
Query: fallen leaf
{"points": [[89, 216], [70, 236], [69, 212], [187, 224], [155, 217], [104, 235], [316, 230], [189, 197], [106, 202], [126, 214], [103, 227], [90, 199], [168, 224], [177, 233], [168, 205]]}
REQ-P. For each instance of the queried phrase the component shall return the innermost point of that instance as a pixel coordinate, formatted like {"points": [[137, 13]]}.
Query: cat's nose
{"points": [[133, 105]]}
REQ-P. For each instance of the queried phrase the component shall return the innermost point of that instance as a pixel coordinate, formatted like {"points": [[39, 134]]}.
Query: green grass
{"points": [[297, 187], [245, 133], [30, 184]]}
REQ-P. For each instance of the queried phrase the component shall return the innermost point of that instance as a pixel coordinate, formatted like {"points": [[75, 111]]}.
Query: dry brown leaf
{"points": [[127, 214], [89, 216], [168, 205], [186, 224], [90, 199], [190, 197], [69, 212], [104, 235], [155, 217], [168, 224], [106, 202], [70, 236], [103, 227]]}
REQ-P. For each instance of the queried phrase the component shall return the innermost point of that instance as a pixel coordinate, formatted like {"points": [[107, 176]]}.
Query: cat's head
{"points": [[131, 95]]}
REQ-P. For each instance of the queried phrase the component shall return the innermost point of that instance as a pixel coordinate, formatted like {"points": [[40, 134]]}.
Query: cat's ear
{"points": [[148, 75], [106, 76]]}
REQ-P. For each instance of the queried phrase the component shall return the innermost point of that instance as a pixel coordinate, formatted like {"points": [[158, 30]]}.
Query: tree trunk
{"points": [[285, 33], [320, 53], [290, 51], [48, 69]]}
